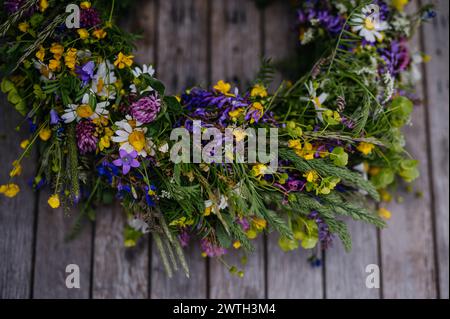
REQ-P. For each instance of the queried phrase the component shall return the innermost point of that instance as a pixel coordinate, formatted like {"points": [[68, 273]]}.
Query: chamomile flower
{"points": [[369, 25], [146, 69], [84, 110], [131, 137], [102, 83]]}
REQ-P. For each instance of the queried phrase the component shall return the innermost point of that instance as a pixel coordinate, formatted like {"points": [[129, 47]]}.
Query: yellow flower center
{"points": [[137, 140], [84, 111], [100, 85], [317, 102], [368, 24]]}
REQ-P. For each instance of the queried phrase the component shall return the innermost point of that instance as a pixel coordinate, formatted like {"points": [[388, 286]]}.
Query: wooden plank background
{"points": [[197, 42]]}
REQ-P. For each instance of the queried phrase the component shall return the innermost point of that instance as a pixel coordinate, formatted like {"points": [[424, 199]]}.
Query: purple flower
{"points": [[146, 109], [86, 139], [184, 238], [54, 117], [325, 236], [127, 161], [12, 6], [86, 72], [243, 222], [89, 18], [210, 249], [397, 57]]}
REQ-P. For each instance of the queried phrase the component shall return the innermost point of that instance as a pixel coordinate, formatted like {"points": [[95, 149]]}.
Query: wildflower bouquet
{"points": [[105, 128]]}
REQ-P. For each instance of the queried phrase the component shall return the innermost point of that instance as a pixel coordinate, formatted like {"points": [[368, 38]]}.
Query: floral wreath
{"points": [[102, 125]]}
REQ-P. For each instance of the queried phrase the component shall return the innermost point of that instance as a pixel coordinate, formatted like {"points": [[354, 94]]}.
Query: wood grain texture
{"points": [[345, 273], [290, 275], [180, 287], [435, 43], [287, 273], [236, 51], [182, 56], [236, 47], [16, 215], [182, 44], [143, 20], [408, 268], [119, 272], [54, 253]]}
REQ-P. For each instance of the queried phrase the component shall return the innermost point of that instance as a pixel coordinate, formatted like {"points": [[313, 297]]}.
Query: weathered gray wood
{"points": [[236, 41], [182, 56], [54, 253], [287, 273], [16, 215], [345, 273], [290, 275], [143, 21], [180, 287], [407, 244], [182, 44], [435, 43], [119, 272], [236, 50]]}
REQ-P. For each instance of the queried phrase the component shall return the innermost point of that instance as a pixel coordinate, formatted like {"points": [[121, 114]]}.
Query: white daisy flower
{"points": [[131, 137], [102, 83], [368, 24], [146, 69], [84, 110]]}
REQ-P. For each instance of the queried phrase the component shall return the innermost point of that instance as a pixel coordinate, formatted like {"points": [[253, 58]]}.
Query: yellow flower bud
{"points": [[54, 201], [10, 190], [45, 134]]}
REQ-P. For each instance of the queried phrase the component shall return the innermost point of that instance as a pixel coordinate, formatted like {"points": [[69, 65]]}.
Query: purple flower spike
{"points": [[54, 117], [127, 161]]}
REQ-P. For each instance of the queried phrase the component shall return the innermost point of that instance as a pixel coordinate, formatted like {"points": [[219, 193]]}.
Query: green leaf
{"points": [[339, 157], [409, 170], [402, 108], [384, 178]]}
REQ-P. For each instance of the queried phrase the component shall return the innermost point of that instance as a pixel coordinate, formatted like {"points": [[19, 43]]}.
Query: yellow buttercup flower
{"points": [[40, 54], [105, 142], [236, 113], [17, 170], [259, 90], [222, 87], [9, 190], [43, 5], [99, 34], [24, 26], [384, 213], [208, 208], [83, 33], [57, 50], [123, 61], [71, 58], [54, 65], [24, 144], [237, 244], [311, 176], [399, 4], [45, 134], [85, 5], [295, 144], [259, 223], [365, 148], [308, 152], [54, 201], [259, 170]]}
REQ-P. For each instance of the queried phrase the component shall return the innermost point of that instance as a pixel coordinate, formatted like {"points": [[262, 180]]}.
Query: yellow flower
{"points": [[24, 26], [123, 60], [257, 109], [71, 58], [57, 50], [17, 170], [385, 196], [295, 144], [237, 244], [24, 144], [182, 222], [399, 4], [259, 170], [105, 142], [54, 65], [259, 90], [45, 134], [259, 223], [426, 58], [240, 134], [43, 5], [236, 113], [100, 34], [208, 208], [83, 33], [308, 152], [54, 201], [40, 54], [384, 213], [223, 87], [85, 5], [365, 148], [311, 176], [10, 190]]}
